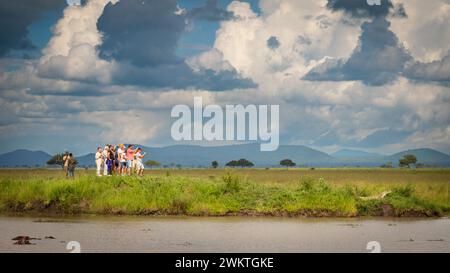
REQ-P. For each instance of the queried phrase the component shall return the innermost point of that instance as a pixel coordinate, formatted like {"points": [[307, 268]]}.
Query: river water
{"points": [[224, 234]]}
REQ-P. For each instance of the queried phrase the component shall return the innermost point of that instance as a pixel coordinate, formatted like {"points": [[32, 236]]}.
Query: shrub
{"points": [[310, 185], [232, 183], [403, 191], [179, 206]]}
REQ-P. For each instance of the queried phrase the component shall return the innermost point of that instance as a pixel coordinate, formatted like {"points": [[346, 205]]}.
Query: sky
{"points": [[345, 74]]}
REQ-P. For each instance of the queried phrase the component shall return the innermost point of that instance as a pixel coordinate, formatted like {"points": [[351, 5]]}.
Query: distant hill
{"points": [[424, 156], [86, 160], [348, 157], [347, 153], [24, 158], [195, 156]]}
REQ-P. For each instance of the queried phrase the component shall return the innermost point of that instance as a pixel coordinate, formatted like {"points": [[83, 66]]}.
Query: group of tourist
{"points": [[118, 160]]}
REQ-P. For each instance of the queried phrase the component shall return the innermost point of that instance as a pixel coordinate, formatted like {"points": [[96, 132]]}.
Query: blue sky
{"points": [[345, 74], [39, 31]]}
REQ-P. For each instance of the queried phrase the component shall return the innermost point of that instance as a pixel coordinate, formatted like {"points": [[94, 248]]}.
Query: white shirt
{"points": [[119, 153], [98, 156], [138, 157]]}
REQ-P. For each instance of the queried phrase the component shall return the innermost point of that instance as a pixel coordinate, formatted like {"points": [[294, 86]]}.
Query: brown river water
{"points": [[224, 234]]}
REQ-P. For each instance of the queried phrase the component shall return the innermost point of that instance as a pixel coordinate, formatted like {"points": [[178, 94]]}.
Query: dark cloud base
{"points": [[144, 42], [378, 59], [16, 16], [361, 9]]}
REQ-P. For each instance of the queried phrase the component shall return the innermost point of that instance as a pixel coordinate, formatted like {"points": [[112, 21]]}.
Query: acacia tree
{"points": [[407, 161], [232, 163], [240, 163], [152, 163], [245, 163], [287, 163], [57, 159]]}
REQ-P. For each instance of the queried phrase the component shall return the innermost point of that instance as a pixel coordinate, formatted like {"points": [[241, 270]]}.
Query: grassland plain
{"points": [[222, 192]]}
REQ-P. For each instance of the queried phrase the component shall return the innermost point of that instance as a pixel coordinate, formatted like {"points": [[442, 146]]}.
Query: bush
{"points": [[232, 183], [179, 206], [66, 197], [368, 207], [310, 185], [357, 192], [306, 184], [403, 191]]}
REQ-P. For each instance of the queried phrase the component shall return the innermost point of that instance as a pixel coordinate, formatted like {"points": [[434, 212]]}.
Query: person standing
{"points": [[66, 163], [71, 166], [122, 159], [110, 160], [130, 158], [99, 160], [135, 163], [139, 164], [115, 158], [123, 163], [105, 155]]}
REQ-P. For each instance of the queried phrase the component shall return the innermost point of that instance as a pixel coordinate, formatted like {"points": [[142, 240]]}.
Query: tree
{"points": [[152, 163], [215, 164], [287, 163], [58, 160], [240, 163], [407, 161], [232, 163], [244, 163]]}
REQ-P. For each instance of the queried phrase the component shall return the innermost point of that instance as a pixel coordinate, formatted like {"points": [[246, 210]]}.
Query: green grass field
{"points": [[277, 192]]}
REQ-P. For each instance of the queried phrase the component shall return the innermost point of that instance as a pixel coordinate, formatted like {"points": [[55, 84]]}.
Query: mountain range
{"points": [[200, 156], [349, 154], [24, 158]]}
